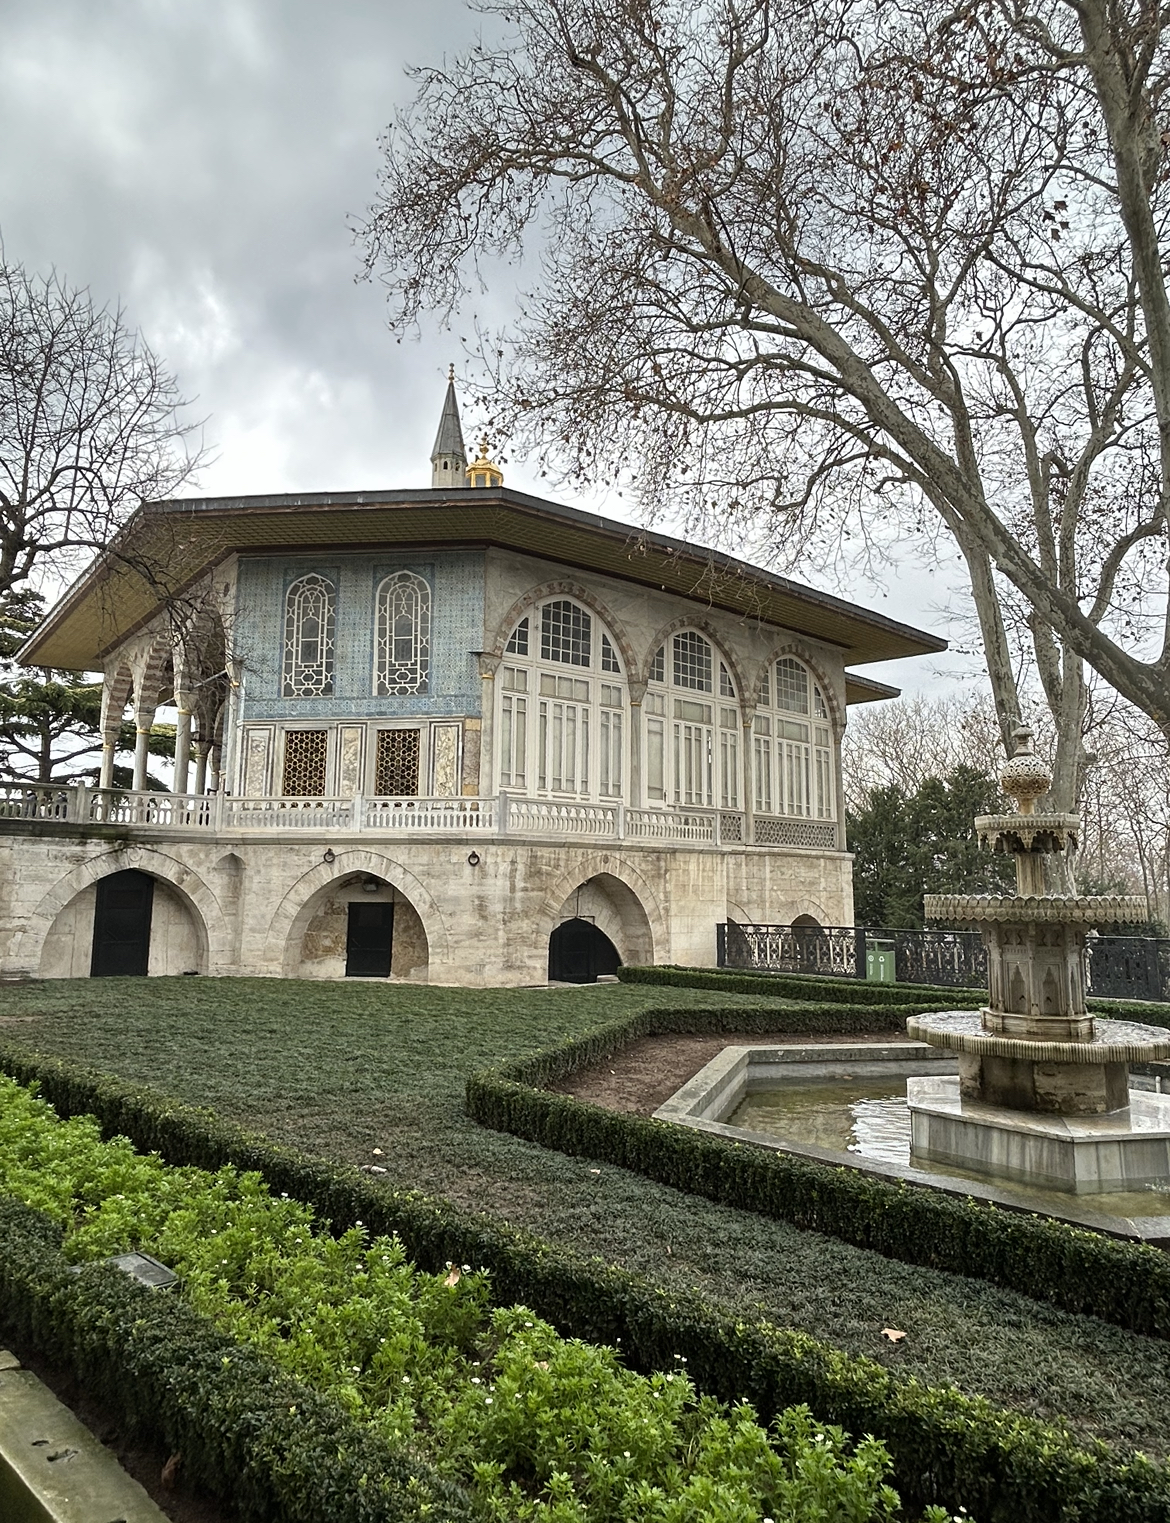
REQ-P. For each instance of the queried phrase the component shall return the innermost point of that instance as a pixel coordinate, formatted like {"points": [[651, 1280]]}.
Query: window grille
{"points": [[791, 686], [726, 686], [692, 662], [402, 646], [518, 644], [658, 665], [565, 634], [308, 638], [609, 660], [396, 764], [305, 754]]}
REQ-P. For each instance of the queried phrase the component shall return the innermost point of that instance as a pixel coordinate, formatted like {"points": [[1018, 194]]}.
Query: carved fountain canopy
{"points": [[1025, 778]]}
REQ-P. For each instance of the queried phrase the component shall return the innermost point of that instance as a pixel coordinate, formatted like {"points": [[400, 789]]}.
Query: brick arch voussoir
{"points": [[709, 632], [187, 883], [827, 687], [604, 864], [574, 590], [309, 885]]}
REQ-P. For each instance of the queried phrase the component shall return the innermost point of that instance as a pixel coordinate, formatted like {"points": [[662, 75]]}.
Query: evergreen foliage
{"points": [[907, 845]]}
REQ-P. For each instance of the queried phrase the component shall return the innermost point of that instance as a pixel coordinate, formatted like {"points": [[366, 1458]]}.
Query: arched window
{"points": [[562, 706], [692, 727], [792, 745], [402, 636], [308, 638]]}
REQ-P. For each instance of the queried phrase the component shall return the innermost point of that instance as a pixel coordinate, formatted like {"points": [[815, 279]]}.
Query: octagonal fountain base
{"points": [[1125, 1149]]}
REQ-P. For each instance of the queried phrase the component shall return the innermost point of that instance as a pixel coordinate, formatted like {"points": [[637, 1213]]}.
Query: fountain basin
{"points": [[1040, 1067], [1126, 1149]]}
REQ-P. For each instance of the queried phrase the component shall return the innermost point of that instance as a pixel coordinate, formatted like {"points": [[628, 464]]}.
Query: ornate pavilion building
{"points": [[464, 735]]}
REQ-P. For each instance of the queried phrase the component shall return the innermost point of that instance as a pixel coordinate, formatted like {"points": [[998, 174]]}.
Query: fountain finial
{"points": [[1025, 778]]}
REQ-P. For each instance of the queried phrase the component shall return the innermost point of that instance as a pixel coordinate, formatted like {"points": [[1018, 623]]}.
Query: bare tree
{"points": [[90, 425], [836, 265]]}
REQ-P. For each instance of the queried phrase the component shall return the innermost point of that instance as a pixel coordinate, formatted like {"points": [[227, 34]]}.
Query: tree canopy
{"points": [[842, 267], [906, 845]]}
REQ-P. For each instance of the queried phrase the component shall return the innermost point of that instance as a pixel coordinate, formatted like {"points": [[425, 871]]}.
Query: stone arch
{"points": [[794, 648], [744, 697], [579, 594], [295, 911], [197, 898], [643, 933]]}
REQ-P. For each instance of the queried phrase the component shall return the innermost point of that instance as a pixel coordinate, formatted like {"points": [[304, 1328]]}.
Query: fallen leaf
{"points": [[170, 1472], [894, 1334], [454, 1277]]}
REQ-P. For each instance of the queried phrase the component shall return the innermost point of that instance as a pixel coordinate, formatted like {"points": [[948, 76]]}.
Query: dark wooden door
{"points": [[578, 952], [121, 925], [369, 941]]}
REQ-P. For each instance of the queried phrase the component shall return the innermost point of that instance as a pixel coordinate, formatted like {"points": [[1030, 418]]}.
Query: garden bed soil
{"points": [[645, 1074]]}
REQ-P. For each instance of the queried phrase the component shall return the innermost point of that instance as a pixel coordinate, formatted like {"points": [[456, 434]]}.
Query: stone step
{"points": [[52, 1469]]}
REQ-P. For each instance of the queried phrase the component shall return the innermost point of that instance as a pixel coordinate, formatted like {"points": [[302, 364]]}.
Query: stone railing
{"points": [[505, 815]]}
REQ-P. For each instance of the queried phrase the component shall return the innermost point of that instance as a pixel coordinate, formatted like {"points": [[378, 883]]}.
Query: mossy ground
{"points": [[342, 1069]]}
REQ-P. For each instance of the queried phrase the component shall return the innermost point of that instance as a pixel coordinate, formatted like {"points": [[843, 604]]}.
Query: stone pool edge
{"points": [[722, 1083]]}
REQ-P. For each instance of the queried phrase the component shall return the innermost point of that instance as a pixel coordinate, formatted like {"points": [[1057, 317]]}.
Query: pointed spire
{"points": [[449, 457]]}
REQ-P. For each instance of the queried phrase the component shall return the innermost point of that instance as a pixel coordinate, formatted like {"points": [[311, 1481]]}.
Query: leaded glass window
{"points": [[309, 638], [791, 686], [692, 662], [518, 644], [565, 633], [402, 644]]}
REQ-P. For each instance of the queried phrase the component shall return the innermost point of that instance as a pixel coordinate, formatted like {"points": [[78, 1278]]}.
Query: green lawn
{"points": [[341, 1069]]}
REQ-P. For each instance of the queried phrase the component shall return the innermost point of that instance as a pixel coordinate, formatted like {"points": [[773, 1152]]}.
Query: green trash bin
{"points": [[879, 962]]}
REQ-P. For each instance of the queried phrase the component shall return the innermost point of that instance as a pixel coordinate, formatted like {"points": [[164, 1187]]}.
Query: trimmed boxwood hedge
{"points": [[278, 1451], [947, 1447], [841, 991], [1077, 1269], [913, 999]]}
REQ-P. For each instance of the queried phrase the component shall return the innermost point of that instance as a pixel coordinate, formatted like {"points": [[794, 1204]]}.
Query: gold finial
{"points": [[483, 472]]}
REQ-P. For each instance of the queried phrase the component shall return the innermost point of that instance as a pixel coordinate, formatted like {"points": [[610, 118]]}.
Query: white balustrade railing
{"points": [[505, 815], [460, 815], [289, 814]]}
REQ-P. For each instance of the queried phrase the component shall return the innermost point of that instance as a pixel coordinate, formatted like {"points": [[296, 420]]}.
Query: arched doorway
{"points": [[122, 912], [579, 952]]}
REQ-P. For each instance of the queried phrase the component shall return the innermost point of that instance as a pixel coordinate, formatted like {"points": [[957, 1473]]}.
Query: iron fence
{"points": [[1120, 967]]}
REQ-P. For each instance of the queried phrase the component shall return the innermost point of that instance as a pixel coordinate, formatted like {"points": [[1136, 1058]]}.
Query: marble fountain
{"points": [[1028, 1103], [1042, 1091]]}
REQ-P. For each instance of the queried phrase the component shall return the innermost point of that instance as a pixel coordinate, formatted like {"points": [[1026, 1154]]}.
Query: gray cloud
{"points": [[202, 161]]}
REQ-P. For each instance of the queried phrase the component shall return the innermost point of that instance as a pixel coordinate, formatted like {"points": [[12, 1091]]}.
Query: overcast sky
{"points": [[202, 162]]}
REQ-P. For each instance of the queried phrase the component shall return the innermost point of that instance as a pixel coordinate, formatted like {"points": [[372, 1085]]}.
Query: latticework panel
{"points": [[403, 641], [774, 832], [305, 754], [396, 763]]}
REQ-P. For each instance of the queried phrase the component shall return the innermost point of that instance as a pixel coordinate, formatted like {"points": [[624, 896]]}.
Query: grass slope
{"points": [[342, 1069]]}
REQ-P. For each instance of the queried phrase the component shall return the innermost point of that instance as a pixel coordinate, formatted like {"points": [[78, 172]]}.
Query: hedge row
{"points": [[1079, 1270], [946, 1446], [278, 1451], [913, 999]]}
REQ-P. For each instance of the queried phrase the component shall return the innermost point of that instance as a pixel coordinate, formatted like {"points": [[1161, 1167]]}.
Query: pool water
{"points": [[871, 1118]]}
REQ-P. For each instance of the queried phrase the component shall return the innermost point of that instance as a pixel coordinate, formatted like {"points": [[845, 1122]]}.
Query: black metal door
{"points": [[578, 952], [369, 940], [121, 925]]}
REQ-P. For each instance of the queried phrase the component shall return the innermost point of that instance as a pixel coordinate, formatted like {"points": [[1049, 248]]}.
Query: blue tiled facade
{"points": [[456, 581]]}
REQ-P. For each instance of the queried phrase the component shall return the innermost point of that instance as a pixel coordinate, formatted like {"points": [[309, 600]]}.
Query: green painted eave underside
{"points": [[166, 548]]}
